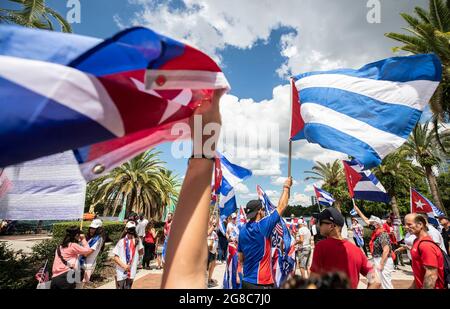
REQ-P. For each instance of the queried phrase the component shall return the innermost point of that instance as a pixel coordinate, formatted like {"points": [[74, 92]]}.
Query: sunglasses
{"points": [[325, 222]]}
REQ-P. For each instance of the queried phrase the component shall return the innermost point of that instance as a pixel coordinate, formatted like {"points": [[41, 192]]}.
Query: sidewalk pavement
{"points": [[23, 242]]}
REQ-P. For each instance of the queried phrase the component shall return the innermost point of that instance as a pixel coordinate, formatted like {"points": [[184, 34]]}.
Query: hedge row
{"points": [[113, 229]]}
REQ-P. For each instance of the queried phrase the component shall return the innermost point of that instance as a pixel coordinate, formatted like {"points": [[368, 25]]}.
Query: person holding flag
{"points": [[127, 253], [380, 248], [336, 254], [254, 245]]}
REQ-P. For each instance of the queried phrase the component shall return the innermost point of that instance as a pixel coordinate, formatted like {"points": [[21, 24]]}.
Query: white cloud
{"points": [[279, 180], [320, 37], [310, 187], [300, 198], [241, 188]]}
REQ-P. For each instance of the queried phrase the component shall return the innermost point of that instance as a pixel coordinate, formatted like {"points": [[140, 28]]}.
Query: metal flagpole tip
{"points": [[98, 169]]}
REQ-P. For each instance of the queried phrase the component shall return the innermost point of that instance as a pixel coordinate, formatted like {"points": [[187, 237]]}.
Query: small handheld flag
{"points": [[323, 197]]}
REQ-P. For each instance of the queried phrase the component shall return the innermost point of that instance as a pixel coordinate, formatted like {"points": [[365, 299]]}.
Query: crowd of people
{"points": [[325, 257]]}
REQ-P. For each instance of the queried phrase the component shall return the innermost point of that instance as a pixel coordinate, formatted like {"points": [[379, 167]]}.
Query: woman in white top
{"points": [[96, 241], [127, 254]]}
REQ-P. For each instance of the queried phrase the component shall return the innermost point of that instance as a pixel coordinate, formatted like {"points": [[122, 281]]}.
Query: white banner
{"points": [[49, 188]]}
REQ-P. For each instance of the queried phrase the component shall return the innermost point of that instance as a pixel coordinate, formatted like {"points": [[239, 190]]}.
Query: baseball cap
{"points": [[252, 208], [96, 223], [333, 215], [130, 225], [233, 215], [443, 217], [375, 220]]}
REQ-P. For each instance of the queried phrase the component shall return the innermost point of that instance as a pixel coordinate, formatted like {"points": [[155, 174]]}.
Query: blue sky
{"points": [[258, 44]]}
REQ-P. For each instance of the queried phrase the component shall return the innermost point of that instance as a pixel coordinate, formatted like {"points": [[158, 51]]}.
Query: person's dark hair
{"points": [[419, 218], [71, 234], [328, 281], [131, 231]]}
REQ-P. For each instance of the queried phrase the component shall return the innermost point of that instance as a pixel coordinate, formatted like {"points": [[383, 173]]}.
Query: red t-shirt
{"points": [[333, 255], [149, 238], [430, 255]]}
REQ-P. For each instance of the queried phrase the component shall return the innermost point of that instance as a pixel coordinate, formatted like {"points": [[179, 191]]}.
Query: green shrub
{"points": [[113, 229], [17, 270]]}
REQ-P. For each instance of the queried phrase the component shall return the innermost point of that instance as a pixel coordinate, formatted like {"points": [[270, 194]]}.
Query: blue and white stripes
{"points": [[367, 113], [368, 188], [232, 174], [48, 188]]}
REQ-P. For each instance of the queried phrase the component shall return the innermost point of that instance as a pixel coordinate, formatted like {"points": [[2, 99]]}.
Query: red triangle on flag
{"points": [[297, 123], [419, 204], [352, 176]]}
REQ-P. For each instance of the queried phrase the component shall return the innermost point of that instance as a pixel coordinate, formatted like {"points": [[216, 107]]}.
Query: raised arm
{"points": [[284, 199], [366, 221], [187, 247]]}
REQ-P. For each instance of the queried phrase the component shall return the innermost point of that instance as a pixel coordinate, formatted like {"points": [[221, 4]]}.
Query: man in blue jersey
{"points": [[254, 247]]}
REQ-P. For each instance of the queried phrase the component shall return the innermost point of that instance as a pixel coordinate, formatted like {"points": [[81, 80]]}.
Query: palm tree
{"points": [[422, 145], [430, 33], [141, 184], [34, 14], [397, 174], [334, 180]]}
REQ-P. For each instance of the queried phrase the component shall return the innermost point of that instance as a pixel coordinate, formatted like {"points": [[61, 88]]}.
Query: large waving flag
{"points": [[420, 204], [48, 188], [108, 99], [365, 113], [323, 197], [362, 183], [283, 261]]}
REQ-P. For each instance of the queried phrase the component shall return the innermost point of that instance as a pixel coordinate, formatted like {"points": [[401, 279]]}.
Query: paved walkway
{"points": [[151, 279], [23, 242]]}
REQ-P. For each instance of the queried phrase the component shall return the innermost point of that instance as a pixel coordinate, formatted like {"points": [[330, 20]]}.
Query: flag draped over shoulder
{"points": [[231, 273], [48, 188], [282, 243], [362, 183], [106, 99], [365, 113]]}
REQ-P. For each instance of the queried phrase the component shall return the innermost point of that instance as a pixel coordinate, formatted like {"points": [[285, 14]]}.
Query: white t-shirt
{"points": [[304, 231], [409, 241], [119, 250], [232, 231], [140, 228], [90, 260], [214, 239], [436, 236], [344, 231], [314, 230]]}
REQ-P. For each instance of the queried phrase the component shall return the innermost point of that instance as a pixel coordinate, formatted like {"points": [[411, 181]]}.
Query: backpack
{"points": [[446, 262]]}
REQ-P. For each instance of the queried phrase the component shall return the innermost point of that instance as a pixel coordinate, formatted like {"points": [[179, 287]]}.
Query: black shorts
{"points": [[61, 282], [211, 257]]}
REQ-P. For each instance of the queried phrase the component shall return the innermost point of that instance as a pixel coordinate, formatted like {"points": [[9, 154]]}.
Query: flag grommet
{"points": [[98, 169], [160, 80]]}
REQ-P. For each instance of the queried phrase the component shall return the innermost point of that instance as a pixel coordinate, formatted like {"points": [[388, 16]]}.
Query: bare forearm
{"points": [[429, 281], [119, 262], [385, 255], [282, 204], [366, 221], [187, 249]]}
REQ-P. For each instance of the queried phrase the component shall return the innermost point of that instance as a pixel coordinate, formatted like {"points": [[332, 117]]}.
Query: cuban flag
{"points": [[365, 113], [282, 244], [231, 175], [323, 197], [107, 100], [362, 183], [231, 273], [420, 204], [241, 218]]}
